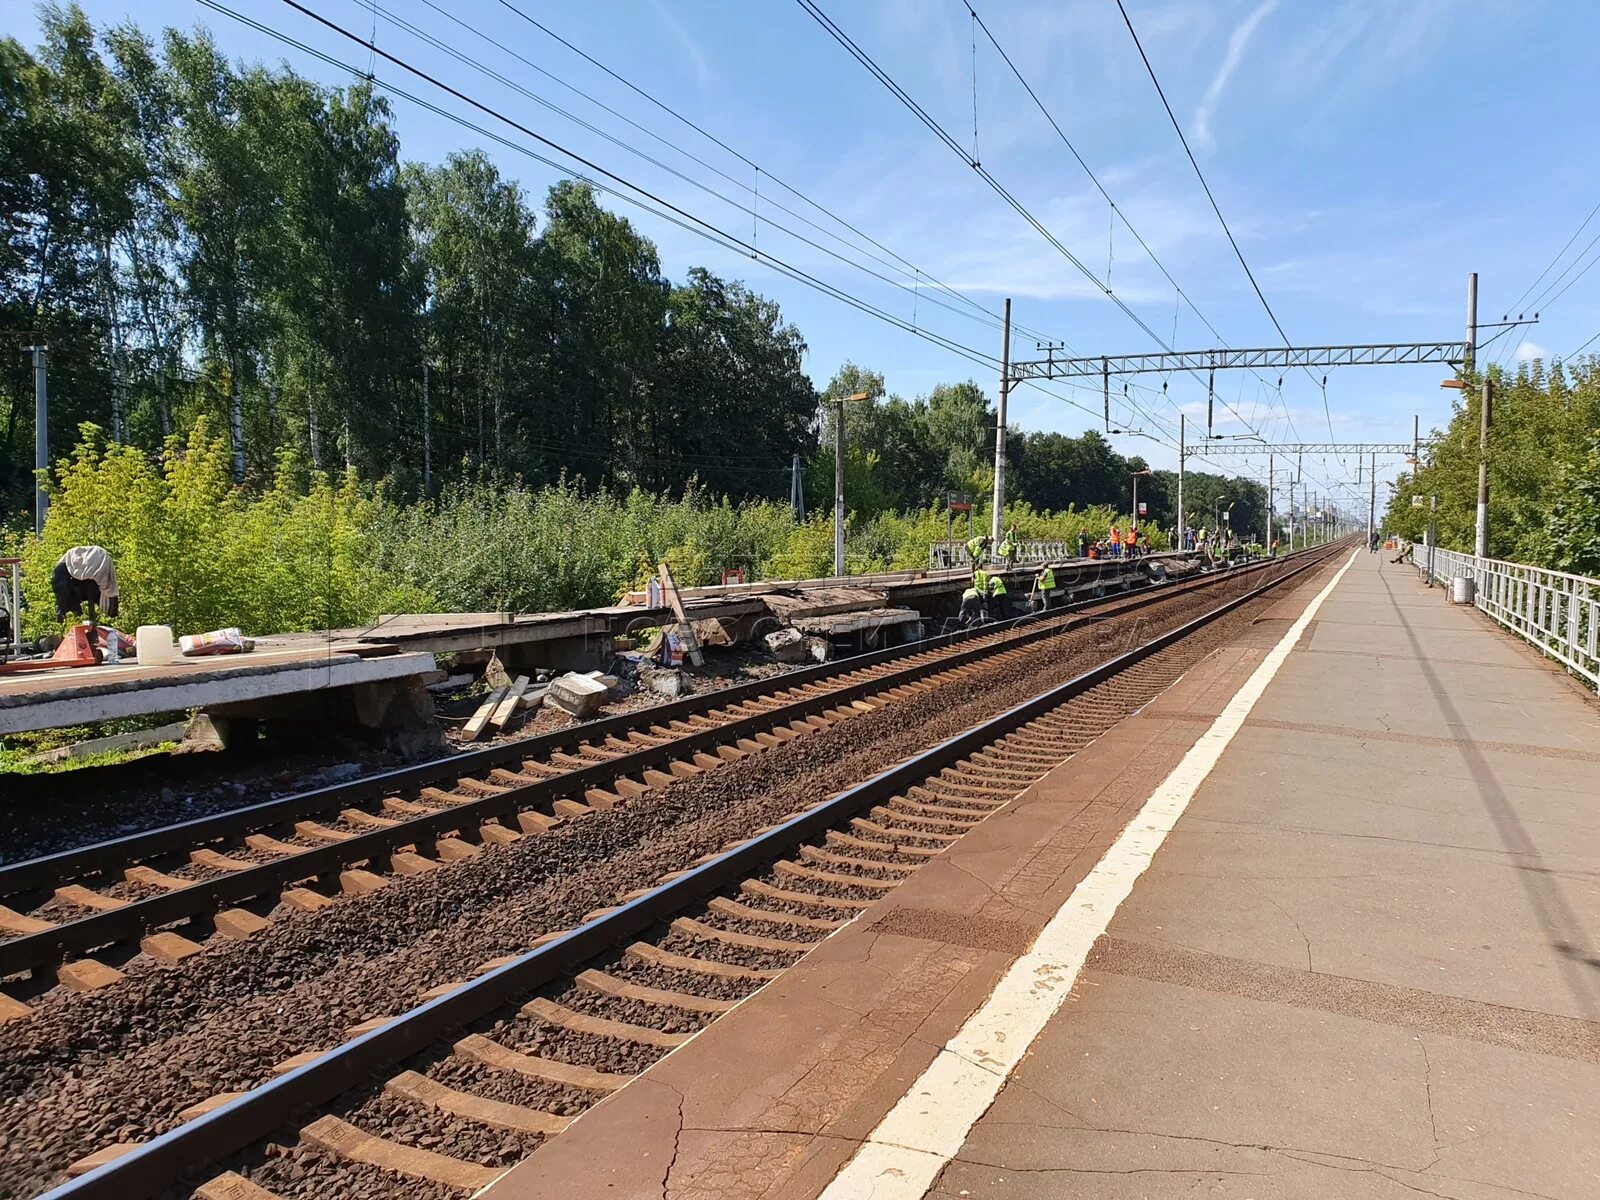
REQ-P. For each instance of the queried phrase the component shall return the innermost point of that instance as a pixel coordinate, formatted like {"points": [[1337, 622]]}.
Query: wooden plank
{"points": [[480, 719], [508, 706], [685, 628]]}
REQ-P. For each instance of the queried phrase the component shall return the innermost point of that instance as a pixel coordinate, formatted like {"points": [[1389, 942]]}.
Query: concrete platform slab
{"points": [[81, 695]]}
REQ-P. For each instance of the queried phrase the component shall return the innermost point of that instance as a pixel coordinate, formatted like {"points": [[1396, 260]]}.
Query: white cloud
{"points": [[1237, 43], [1529, 351], [697, 57]]}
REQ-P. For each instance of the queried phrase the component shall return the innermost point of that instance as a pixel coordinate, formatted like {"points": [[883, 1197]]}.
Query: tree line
{"points": [[202, 240], [1544, 470]]}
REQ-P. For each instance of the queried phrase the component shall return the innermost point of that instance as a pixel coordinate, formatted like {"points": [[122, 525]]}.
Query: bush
{"points": [[315, 551], [195, 553]]}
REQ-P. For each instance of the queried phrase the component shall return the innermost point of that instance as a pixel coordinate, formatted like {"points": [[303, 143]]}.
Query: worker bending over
{"points": [[975, 600], [997, 596], [84, 582], [978, 549]]}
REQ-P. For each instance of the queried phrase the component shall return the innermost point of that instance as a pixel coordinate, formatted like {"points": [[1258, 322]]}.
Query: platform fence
{"points": [[1557, 612], [944, 555]]}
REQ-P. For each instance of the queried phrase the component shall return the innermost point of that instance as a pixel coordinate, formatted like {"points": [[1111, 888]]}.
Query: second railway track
{"points": [[165, 890], [428, 1101]]}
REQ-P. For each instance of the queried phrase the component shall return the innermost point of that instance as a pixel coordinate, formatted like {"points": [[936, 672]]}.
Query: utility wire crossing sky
{"points": [[1138, 176]]}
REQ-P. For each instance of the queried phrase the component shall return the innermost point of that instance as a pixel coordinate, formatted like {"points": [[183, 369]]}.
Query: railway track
{"points": [[70, 918], [435, 1101]]}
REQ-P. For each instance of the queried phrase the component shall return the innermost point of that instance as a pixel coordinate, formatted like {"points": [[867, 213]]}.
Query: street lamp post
{"points": [[1136, 475], [838, 480]]}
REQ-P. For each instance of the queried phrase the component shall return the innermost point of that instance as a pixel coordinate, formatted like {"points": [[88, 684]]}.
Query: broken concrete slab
{"points": [[577, 695]]}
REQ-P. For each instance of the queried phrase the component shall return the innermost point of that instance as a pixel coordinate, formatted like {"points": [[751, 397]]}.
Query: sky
{"points": [[1366, 155]]}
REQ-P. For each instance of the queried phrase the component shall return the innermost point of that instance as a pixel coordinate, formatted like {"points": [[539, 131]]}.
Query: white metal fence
{"points": [[942, 555], [1557, 612]]}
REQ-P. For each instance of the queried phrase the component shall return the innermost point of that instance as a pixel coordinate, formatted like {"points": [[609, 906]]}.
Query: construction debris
{"points": [[577, 695], [508, 706], [787, 645], [480, 719], [668, 682]]}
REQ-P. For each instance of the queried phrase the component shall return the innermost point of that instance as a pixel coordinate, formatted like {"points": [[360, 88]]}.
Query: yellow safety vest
{"points": [[975, 548], [980, 581], [1047, 581], [997, 586]]}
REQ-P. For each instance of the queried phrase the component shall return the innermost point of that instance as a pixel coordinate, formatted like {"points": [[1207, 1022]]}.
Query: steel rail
{"points": [[50, 870], [49, 947], [176, 1155]]}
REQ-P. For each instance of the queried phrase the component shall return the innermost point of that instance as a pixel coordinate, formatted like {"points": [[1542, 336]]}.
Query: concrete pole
{"points": [[41, 437], [1470, 357], [796, 502], [427, 436], [1372, 501], [1480, 541], [1135, 509], [236, 419], [1000, 429], [838, 492], [1183, 453], [1271, 463]]}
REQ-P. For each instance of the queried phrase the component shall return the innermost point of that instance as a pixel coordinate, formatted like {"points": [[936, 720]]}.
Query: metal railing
{"points": [[944, 555], [1557, 612]]}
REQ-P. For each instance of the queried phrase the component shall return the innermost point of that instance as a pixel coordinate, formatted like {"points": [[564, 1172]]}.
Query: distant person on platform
{"points": [[978, 549], [1083, 543], [1130, 541], [1114, 542]]}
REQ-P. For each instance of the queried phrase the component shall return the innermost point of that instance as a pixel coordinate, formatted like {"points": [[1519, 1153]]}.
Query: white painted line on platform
{"points": [[927, 1127]]}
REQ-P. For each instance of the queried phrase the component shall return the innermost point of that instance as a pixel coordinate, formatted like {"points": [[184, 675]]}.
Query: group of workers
{"points": [[1131, 542], [986, 598]]}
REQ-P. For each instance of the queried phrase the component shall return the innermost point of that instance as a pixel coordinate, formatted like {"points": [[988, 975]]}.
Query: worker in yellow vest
{"points": [[997, 596], [978, 610], [978, 549], [1009, 547], [1044, 585]]}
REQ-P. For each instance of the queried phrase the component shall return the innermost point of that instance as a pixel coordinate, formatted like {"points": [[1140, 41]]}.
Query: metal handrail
{"points": [[1556, 611]]}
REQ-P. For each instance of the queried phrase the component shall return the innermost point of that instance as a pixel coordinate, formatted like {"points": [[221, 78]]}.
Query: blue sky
{"points": [[1368, 154]]}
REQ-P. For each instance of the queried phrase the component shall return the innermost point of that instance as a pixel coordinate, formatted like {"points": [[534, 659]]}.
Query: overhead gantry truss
{"points": [[1054, 366], [1212, 448]]}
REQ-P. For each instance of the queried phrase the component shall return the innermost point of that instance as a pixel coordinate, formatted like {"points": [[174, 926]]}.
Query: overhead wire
{"points": [[1558, 256], [1181, 296], [655, 205], [949, 140], [1206, 187], [743, 158], [982, 316]]}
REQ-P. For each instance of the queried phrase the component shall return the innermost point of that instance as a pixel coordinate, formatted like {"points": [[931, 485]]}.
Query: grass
{"points": [[13, 762]]}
